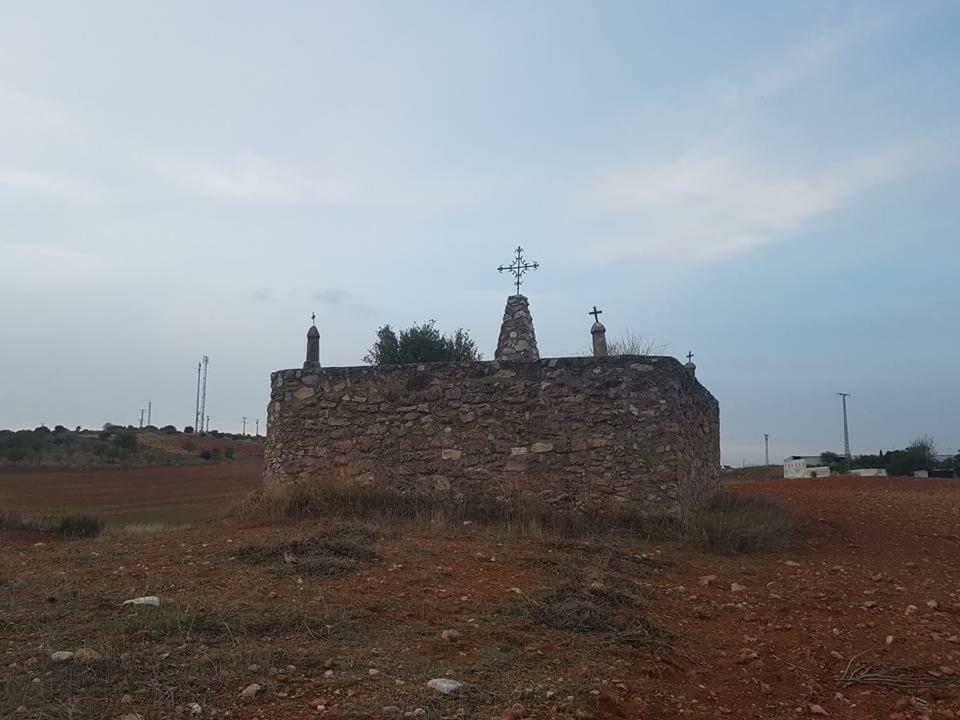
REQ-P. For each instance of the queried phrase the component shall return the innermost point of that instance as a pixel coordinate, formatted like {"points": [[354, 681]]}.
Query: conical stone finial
{"points": [[313, 344], [517, 342]]}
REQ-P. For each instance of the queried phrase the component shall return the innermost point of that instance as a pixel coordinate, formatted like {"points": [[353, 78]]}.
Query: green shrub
{"points": [[215, 453], [79, 526], [206, 455], [229, 453]]}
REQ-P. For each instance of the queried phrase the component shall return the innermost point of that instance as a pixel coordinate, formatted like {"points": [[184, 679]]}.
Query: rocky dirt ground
{"points": [[334, 619]]}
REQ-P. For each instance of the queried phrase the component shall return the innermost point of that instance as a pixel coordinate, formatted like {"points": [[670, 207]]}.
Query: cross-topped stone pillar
{"points": [[517, 339], [691, 366], [599, 334]]}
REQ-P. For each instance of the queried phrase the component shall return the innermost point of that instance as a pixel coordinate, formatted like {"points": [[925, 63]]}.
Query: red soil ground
{"points": [[873, 578], [173, 493]]}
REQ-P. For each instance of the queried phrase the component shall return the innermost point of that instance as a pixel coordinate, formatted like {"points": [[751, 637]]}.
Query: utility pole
{"points": [[203, 394], [196, 413], [149, 412], [244, 431], [258, 427], [846, 431], [141, 417], [766, 447], [208, 423]]}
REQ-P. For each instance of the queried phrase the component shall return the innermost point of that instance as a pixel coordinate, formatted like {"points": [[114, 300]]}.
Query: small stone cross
{"points": [[313, 318], [596, 314], [690, 356]]}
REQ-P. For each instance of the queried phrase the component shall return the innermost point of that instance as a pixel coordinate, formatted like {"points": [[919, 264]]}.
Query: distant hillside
{"points": [[116, 447]]}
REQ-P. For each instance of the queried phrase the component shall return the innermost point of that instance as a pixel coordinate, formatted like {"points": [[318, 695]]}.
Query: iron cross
{"points": [[519, 267], [313, 318], [596, 314], [690, 356]]}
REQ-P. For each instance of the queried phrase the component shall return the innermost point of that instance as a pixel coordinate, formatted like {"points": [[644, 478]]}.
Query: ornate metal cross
{"points": [[596, 314], [690, 356], [313, 318], [519, 267]]}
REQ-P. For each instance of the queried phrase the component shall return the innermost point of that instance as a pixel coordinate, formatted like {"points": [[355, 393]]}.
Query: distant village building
{"points": [[869, 472], [804, 466]]}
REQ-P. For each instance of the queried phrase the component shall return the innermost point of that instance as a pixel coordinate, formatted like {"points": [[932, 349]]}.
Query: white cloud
{"points": [[27, 184], [710, 203], [250, 178]]}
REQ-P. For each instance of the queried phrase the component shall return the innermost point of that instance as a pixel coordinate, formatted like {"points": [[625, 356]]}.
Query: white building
{"points": [[804, 466], [869, 472]]}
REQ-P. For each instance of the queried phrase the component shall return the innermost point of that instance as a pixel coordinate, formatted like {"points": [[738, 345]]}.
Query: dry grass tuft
{"points": [[734, 524], [520, 514], [594, 608], [337, 553]]}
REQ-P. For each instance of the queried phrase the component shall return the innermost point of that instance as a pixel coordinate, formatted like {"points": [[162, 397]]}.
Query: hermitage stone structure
{"points": [[632, 431]]}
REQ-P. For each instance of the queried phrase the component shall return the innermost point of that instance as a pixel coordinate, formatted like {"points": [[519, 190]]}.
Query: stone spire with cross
{"points": [[313, 344], [691, 366], [517, 341], [599, 334]]}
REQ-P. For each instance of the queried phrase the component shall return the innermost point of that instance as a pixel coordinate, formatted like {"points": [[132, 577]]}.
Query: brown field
{"points": [[332, 619], [168, 493]]}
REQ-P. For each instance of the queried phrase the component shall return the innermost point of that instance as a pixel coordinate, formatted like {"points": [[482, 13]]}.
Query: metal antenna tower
{"points": [[244, 431], [208, 423], [766, 447], [196, 412], [258, 427], [149, 411], [846, 431], [203, 394]]}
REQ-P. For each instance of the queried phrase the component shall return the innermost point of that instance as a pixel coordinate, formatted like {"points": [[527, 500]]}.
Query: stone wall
{"points": [[637, 431]]}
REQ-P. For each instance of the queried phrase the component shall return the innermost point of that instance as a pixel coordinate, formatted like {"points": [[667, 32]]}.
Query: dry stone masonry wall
{"points": [[634, 431]]}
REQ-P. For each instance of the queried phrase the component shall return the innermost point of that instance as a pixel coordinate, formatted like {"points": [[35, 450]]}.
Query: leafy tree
{"points": [[923, 449], [828, 457], [420, 343], [15, 453]]}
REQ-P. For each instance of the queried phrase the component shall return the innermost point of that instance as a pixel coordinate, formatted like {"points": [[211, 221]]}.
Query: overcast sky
{"points": [[772, 185]]}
